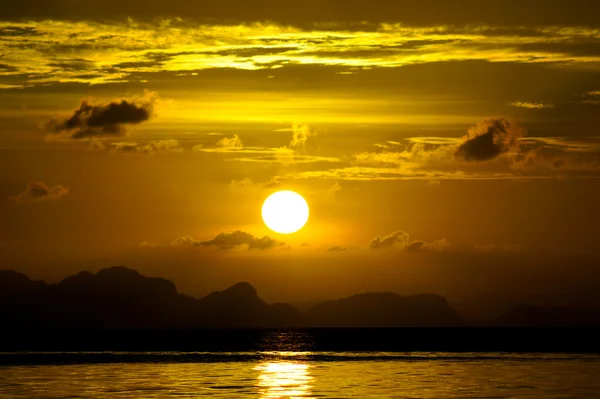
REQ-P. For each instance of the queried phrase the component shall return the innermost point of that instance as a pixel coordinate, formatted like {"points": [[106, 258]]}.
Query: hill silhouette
{"points": [[121, 298], [386, 310]]}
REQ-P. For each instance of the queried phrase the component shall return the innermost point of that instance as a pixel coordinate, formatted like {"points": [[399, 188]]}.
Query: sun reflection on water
{"points": [[284, 379]]}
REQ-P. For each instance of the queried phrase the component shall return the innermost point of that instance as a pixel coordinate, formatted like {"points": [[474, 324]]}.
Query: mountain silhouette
{"points": [[385, 310], [118, 297], [121, 298]]}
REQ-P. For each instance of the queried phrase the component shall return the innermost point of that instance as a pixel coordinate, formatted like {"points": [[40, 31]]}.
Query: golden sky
{"points": [[441, 148]]}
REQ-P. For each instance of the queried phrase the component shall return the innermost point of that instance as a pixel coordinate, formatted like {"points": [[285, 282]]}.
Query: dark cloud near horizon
{"points": [[337, 248], [489, 139], [228, 241], [240, 238], [91, 121], [40, 191], [401, 239]]}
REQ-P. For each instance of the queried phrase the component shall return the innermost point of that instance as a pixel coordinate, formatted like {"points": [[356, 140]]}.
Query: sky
{"points": [[441, 148]]}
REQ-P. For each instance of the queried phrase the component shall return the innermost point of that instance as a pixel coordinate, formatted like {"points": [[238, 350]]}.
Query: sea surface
{"points": [[284, 368]]}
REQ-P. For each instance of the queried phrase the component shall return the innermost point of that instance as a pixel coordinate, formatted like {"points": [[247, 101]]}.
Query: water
{"points": [[293, 374]]}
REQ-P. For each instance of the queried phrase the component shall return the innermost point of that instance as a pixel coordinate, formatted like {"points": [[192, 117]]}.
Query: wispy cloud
{"points": [[293, 153], [150, 147], [531, 105], [7, 86], [592, 97]]}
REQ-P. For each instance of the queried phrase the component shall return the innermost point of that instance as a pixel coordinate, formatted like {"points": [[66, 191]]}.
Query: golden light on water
{"points": [[285, 212], [280, 379]]}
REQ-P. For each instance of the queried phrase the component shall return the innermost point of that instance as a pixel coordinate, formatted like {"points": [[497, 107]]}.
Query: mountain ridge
{"points": [[122, 298]]}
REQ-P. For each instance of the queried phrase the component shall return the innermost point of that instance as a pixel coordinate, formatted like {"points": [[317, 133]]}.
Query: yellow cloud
{"points": [[530, 105], [113, 52]]}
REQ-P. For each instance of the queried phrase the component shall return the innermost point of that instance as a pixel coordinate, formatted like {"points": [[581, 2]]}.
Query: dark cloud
{"points": [[489, 139], [241, 238], [18, 31], [101, 120], [401, 240], [338, 248], [229, 241], [8, 68], [76, 64], [40, 191]]}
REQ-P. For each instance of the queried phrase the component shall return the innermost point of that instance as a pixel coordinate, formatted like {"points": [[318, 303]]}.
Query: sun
{"points": [[285, 212]]}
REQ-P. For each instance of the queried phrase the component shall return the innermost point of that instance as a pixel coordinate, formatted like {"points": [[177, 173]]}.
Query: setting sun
{"points": [[285, 212]]}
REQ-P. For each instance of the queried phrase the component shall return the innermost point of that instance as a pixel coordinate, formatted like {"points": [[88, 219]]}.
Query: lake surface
{"points": [[292, 374]]}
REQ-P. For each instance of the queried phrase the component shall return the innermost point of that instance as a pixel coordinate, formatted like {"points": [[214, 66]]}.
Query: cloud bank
{"points": [[42, 52]]}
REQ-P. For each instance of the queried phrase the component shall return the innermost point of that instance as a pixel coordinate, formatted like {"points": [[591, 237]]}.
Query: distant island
{"points": [[121, 298]]}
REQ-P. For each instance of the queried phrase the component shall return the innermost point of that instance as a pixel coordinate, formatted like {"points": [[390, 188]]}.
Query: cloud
{"points": [[530, 105], [91, 121], [401, 240], [300, 135], [334, 189], [288, 157], [228, 241], [233, 142], [44, 55], [489, 139], [124, 146], [358, 173], [185, 241], [151, 147], [337, 248], [235, 186], [241, 238], [162, 145], [592, 97], [294, 153], [559, 156], [96, 145], [39, 192], [9, 87], [437, 246], [234, 145], [247, 184], [498, 141]]}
